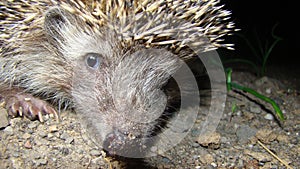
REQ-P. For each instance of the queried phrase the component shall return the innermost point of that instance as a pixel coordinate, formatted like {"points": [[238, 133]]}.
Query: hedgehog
{"points": [[108, 60]]}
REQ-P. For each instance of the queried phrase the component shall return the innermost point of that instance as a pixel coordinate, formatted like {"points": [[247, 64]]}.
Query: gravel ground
{"points": [[243, 138]]}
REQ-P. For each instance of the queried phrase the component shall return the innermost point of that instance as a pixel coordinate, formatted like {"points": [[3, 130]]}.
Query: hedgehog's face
{"points": [[117, 93]]}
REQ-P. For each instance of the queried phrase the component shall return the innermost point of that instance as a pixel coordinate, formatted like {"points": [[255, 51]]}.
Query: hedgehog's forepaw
{"points": [[29, 106]]}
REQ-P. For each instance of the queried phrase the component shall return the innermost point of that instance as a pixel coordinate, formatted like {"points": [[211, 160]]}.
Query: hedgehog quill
{"points": [[94, 56]]}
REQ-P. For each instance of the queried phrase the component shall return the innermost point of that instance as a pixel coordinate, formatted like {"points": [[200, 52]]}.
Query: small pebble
{"points": [[207, 159], [214, 164], [166, 160], [16, 154], [30, 131], [196, 156], [41, 162], [283, 111], [26, 136], [274, 167], [33, 124], [268, 90], [53, 128], [195, 132], [28, 144], [261, 163], [36, 155], [239, 113], [65, 151], [43, 134], [69, 140], [195, 145], [46, 118], [211, 140], [9, 130], [56, 134], [250, 146], [64, 136], [153, 149], [255, 109], [269, 116], [3, 118], [50, 135], [95, 152]]}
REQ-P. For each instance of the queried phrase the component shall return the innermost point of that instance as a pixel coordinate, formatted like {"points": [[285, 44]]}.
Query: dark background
{"points": [[259, 17]]}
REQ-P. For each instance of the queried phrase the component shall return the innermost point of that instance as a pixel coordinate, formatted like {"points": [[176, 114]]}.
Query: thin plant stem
{"points": [[231, 85]]}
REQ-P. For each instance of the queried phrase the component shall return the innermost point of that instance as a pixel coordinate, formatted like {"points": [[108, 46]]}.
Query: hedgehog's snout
{"points": [[114, 141], [124, 144]]}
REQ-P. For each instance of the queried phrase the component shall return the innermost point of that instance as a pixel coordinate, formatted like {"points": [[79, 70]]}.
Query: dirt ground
{"points": [[250, 137]]}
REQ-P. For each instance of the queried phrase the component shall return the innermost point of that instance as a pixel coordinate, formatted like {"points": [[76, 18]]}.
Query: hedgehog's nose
{"points": [[122, 144], [114, 141]]}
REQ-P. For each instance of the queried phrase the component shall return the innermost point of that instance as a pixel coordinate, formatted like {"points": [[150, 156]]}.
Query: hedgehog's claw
{"points": [[29, 106], [40, 117]]}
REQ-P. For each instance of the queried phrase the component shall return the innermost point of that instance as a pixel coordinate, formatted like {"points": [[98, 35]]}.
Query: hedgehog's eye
{"points": [[93, 60]]}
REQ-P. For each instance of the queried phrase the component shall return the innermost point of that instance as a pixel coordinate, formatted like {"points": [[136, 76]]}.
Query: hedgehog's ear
{"points": [[57, 21]]}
